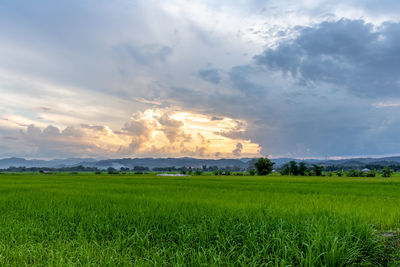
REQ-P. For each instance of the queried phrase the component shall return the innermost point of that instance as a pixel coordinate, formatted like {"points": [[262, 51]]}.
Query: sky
{"points": [[199, 78]]}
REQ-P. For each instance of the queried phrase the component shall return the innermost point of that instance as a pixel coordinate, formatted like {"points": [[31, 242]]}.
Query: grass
{"points": [[135, 220]]}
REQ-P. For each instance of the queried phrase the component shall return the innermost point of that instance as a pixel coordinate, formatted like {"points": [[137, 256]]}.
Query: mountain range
{"points": [[187, 162]]}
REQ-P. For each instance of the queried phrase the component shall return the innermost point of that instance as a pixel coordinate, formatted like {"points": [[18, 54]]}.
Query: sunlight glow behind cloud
{"points": [[164, 132]]}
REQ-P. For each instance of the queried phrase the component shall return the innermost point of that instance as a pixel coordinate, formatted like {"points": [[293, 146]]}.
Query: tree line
{"points": [[260, 166], [264, 166]]}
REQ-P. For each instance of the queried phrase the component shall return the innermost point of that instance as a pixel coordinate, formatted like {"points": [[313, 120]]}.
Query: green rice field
{"points": [[145, 220]]}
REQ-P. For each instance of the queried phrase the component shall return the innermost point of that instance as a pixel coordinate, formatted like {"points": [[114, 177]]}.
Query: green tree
{"points": [[386, 172], [264, 166], [302, 170], [293, 168], [285, 170], [317, 170]]}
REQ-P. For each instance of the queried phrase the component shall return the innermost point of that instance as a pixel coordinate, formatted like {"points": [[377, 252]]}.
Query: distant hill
{"points": [[165, 162], [188, 162], [54, 163], [125, 162]]}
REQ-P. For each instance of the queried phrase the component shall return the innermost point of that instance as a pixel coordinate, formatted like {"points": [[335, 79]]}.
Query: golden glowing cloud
{"points": [[155, 133], [182, 133]]}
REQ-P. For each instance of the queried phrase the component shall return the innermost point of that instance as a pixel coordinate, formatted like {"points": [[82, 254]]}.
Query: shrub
{"points": [[252, 172], [111, 170], [371, 173], [218, 172], [355, 173], [386, 172]]}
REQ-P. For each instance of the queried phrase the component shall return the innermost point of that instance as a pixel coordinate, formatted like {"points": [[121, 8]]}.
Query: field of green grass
{"points": [[135, 220]]}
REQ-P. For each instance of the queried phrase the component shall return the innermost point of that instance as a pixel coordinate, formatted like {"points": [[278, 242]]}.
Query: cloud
{"points": [[386, 104], [155, 132], [317, 86], [233, 134], [172, 128], [136, 127], [241, 77], [215, 118], [210, 75], [237, 150], [237, 131], [351, 54], [146, 54]]}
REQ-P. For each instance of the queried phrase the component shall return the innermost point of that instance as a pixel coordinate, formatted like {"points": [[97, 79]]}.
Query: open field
{"points": [[125, 220]]}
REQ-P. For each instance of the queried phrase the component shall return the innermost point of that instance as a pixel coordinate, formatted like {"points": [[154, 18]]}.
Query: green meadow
{"points": [[145, 220]]}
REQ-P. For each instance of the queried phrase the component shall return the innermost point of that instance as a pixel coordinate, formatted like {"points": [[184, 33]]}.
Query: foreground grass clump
{"points": [[85, 219]]}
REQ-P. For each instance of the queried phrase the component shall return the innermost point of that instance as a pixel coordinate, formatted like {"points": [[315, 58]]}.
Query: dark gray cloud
{"points": [[316, 96], [215, 118], [238, 150], [210, 75], [348, 53], [241, 78], [233, 134]]}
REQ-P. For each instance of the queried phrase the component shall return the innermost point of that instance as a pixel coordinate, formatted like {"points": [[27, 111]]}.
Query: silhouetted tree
{"points": [[111, 170], [285, 170], [317, 170], [263, 166], [293, 168], [302, 170]]}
